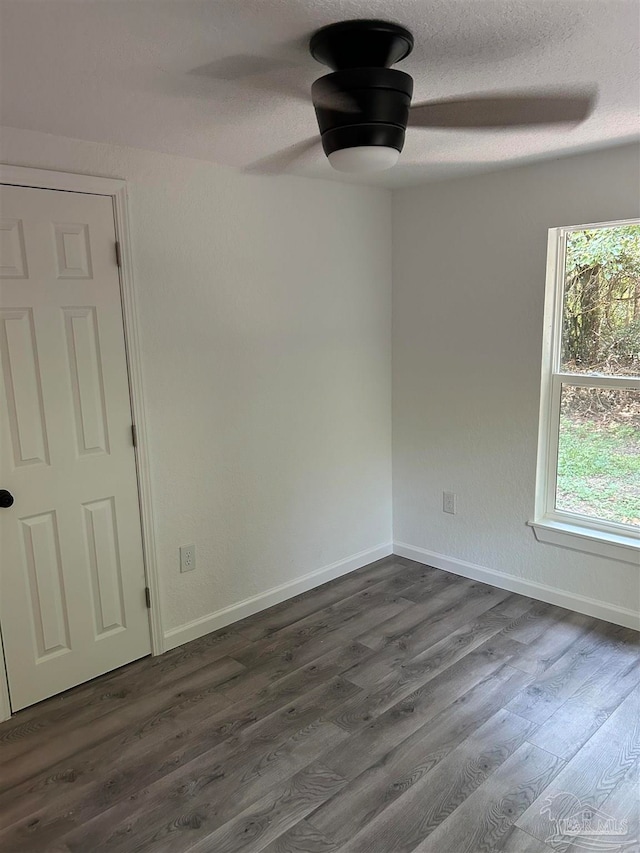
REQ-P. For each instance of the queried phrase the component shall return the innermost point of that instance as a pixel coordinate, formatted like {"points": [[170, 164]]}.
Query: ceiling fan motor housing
{"points": [[372, 107], [363, 102]]}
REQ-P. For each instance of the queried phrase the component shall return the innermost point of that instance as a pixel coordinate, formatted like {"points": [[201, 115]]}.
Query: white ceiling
{"points": [[165, 74]]}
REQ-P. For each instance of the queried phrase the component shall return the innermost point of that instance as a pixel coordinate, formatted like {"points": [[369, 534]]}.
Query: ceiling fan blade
{"points": [[270, 76], [509, 110], [280, 162], [243, 65]]}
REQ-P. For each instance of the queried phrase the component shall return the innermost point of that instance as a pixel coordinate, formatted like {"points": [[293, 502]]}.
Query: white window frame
{"points": [[551, 525]]}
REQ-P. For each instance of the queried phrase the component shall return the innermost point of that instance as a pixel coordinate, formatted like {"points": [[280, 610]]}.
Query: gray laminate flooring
{"points": [[399, 709]]}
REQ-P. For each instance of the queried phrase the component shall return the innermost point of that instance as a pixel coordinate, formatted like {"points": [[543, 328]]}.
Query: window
{"points": [[589, 444]]}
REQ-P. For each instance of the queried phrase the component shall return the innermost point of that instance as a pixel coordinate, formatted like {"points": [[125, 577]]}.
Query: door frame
{"points": [[116, 189]]}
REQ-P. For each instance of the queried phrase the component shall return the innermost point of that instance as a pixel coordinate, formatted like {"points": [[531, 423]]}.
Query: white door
{"points": [[72, 585]]}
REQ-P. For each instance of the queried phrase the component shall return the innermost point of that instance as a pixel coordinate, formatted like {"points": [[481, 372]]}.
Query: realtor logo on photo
{"points": [[590, 828]]}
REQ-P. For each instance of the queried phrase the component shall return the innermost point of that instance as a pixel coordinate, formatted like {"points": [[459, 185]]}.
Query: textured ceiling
{"points": [[228, 80]]}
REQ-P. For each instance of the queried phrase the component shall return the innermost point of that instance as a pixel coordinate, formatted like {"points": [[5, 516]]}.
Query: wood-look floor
{"points": [[397, 709]]}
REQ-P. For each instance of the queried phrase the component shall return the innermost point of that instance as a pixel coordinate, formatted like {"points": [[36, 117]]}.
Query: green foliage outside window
{"points": [[601, 319], [599, 447]]}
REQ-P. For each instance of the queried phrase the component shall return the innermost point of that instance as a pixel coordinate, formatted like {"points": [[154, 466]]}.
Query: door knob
{"points": [[6, 499]]}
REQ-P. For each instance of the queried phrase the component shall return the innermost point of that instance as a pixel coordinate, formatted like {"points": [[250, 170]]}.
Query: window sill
{"points": [[613, 546]]}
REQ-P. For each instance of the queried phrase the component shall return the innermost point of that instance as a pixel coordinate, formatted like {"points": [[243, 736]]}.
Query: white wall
{"points": [[265, 312], [469, 278], [265, 326]]}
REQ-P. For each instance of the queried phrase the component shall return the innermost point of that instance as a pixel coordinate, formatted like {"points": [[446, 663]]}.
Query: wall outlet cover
{"points": [[449, 502], [187, 558]]}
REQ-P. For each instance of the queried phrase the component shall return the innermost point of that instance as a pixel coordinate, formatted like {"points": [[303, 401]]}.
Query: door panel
{"points": [[23, 389], [87, 383], [43, 566], [104, 558], [72, 602]]}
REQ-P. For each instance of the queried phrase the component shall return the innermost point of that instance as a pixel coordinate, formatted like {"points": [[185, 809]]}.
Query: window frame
{"points": [[595, 532]]}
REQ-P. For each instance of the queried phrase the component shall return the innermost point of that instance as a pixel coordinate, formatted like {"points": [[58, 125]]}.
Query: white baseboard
{"points": [[540, 591], [221, 618]]}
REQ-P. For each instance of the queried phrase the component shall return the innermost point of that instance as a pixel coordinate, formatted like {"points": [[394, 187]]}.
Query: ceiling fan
{"points": [[363, 106]]}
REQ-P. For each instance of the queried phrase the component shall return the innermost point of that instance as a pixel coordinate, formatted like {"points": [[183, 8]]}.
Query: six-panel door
{"points": [[72, 602]]}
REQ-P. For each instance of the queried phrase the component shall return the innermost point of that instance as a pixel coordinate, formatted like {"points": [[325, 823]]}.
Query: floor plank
{"points": [[264, 624], [301, 838], [175, 780], [398, 709], [198, 686], [442, 599], [543, 697], [116, 767], [590, 777], [433, 728], [424, 691], [560, 630], [386, 759], [105, 694], [273, 814], [623, 805], [429, 798], [517, 841], [483, 818], [479, 619]]}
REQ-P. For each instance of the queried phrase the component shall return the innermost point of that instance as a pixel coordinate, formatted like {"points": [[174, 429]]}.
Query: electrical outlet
{"points": [[187, 558], [449, 502]]}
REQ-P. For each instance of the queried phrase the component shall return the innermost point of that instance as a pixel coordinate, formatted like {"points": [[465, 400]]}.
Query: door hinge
{"points": [[118, 254], [134, 435], [147, 597]]}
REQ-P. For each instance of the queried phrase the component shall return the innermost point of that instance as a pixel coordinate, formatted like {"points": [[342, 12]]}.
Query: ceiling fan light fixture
{"points": [[364, 105], [361, 159]]}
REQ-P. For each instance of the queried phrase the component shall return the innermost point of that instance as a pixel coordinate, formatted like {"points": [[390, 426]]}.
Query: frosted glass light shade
{"points": [[364, 158]]}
